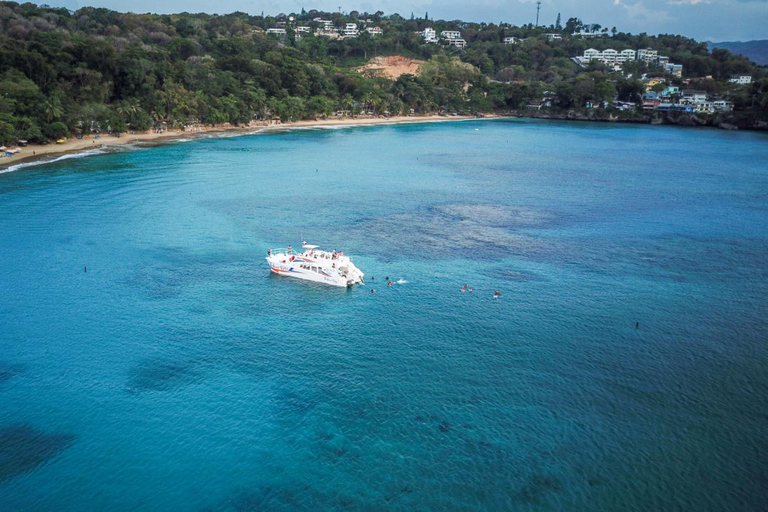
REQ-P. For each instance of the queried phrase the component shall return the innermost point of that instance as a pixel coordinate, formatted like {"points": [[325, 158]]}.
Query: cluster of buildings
{"points": [[672, 98], [452, 37], [740, 79], [616, 59], [326, 28]]}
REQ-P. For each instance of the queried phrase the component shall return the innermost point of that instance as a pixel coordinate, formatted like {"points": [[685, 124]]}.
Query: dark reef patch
{"points": [[488, 232], [163, 375], [7, 372], [537, 488], [22, 449]]}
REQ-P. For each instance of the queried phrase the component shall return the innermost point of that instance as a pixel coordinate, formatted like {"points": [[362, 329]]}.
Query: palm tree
{"points": [[346, 104], [53, 110]]}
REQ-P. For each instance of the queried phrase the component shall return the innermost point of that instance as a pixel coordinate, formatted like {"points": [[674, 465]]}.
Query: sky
{"points": [[703, 20]]}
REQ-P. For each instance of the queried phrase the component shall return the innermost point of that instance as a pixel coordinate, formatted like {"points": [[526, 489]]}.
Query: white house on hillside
{"points": [[648, 55], [609, 55], [374, 31], [324, 24], [430, 35], [450, 34], [457, 43], [509, 40], [741, 79], [625, 55], [674, 69]]}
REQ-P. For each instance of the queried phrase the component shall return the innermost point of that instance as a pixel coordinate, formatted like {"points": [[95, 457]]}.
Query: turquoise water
{"points": [[176, 374]]}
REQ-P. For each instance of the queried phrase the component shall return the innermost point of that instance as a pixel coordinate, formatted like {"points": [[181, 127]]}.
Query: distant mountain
{"points": [[757, 51]]}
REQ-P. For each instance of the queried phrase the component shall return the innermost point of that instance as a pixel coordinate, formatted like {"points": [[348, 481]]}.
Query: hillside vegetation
{"points": [[66, 73]]}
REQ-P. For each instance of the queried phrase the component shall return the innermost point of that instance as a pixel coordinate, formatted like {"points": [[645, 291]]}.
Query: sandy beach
{"points": [[47, 152]]}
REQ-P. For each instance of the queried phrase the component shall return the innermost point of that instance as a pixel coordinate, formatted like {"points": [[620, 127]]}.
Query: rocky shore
{"points": [[724, 121]]}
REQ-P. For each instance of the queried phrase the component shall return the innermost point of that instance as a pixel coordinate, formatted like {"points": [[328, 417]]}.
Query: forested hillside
{"points": [[66, 73]]}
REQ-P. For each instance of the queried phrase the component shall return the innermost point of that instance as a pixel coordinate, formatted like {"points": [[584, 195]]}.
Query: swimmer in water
{"points": [[373, 291], [389, 283]]}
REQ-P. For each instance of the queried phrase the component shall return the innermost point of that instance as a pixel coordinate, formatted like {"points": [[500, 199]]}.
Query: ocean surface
{"points": [[149, 361]]}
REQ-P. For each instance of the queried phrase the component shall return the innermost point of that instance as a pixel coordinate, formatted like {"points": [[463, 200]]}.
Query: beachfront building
{"points": [[374, 31], [740, 79], [457, 43], [430, 35], [722, 106], [705, 107], [675, 107], [276, 31], [693, 97]]}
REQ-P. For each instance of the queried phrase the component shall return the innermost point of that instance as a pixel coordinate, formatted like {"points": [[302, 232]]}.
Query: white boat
{"points": [[327, 267]]}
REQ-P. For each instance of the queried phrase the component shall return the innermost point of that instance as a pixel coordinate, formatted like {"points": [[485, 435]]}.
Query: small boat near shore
{"points": [[328, 267]]}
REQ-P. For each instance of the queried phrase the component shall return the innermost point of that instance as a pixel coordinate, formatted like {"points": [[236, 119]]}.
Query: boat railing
{"points": [[281, 250], [313, 253]]}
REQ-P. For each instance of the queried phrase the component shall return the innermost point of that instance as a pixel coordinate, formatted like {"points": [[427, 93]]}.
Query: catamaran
{"points": [[327, 267]]}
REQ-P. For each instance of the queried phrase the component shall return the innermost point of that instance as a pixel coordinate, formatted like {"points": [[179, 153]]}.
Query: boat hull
{"points": [[304, 275]]}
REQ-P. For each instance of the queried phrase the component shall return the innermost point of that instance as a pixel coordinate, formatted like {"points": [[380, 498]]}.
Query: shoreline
{"points": [[34, 154]]}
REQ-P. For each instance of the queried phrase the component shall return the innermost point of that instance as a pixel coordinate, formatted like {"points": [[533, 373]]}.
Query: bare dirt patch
{"points": [[391, 67]]}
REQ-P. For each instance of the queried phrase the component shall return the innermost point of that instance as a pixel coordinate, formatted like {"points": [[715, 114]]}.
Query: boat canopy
{"points": [[308, 246]]}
